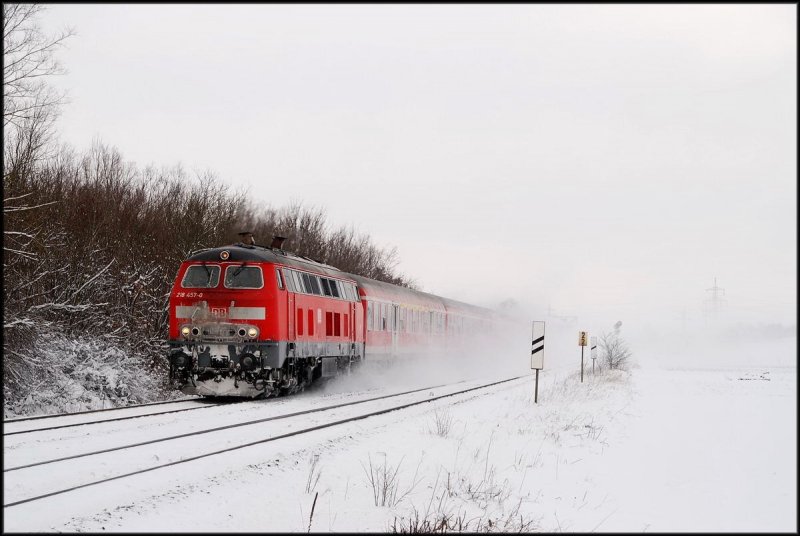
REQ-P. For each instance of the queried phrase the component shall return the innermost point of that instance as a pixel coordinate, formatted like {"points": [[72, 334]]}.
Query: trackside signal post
{"points": [[593, 350], [537, 353], [582, 344]]}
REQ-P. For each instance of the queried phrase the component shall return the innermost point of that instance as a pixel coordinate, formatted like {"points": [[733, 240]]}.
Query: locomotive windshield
{"points": [[201, 276], [243, 277]]}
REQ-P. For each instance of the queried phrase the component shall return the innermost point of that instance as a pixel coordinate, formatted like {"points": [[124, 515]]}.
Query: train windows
{"points": [[315, 286], [279, 278], [301, 284], [299, 321], [201, 276], [306, 282], [243, 276], [369, 316], [326, 288], [287, 277], [311, 321], [335, 288]]}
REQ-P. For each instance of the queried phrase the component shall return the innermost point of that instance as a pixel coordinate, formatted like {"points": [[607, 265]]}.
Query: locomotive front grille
{"points": [[221, 332]]}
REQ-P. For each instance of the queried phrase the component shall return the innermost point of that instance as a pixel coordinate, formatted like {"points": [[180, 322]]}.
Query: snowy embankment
{"points": [[663, 447], [73, 374]]}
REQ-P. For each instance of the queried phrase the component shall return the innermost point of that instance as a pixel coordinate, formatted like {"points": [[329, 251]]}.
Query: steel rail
{"points": [[54, 415], [261, 441], [217, 429], [204, 406]]}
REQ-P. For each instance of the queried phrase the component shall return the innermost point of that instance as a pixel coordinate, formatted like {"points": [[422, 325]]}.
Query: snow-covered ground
{"points": [[682, 442]]}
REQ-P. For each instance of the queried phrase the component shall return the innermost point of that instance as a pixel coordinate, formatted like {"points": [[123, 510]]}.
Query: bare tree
{"points": [[92, 245], [28, 59], [614, 352]]}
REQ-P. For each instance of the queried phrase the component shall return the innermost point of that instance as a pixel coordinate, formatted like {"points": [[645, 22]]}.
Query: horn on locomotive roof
{"points": [[277, 242], [247, 238]]}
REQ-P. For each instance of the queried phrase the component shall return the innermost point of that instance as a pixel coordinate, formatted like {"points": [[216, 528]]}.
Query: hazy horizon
{"points": [[598, 160]]}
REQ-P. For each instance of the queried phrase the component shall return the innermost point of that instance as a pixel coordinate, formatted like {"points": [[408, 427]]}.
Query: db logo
{"points": [[218, 312]]}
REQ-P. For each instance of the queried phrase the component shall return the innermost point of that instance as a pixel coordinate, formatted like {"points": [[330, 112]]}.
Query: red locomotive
{"points": [[249, 320]]}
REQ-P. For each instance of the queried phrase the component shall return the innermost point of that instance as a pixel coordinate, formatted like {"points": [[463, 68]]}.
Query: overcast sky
{"points": [[594, 158]]}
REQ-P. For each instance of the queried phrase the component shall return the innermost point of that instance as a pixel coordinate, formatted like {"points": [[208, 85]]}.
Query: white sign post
{"points": [[582, 343], [537, 353], [593, 348]]}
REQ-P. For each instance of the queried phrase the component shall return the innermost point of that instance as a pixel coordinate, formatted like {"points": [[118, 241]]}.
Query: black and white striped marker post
{"points": [[537, 353], [593, 348]]}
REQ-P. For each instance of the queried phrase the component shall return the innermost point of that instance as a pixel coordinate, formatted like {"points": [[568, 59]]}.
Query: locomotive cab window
{"points": [[243, 276], [201, 276]]}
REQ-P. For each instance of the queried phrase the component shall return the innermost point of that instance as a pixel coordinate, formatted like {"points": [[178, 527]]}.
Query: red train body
{"points": [[248, 320]]}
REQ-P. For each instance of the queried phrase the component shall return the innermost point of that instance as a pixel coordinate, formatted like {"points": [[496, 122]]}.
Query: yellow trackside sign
{"points": [[582, 338]]}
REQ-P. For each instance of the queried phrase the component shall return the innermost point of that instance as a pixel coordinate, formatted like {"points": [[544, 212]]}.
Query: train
{"points": [[248, 320]]}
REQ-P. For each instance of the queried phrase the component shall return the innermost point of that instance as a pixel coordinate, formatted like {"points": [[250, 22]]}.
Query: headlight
{"points": [[252, 333], [185, 331]]}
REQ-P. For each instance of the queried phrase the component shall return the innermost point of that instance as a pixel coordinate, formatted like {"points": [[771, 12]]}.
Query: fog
{"points": [[593, 163]]}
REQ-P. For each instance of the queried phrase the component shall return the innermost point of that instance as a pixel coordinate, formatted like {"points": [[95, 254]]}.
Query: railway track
{"points": [[84, 418], [70, 414], [72, 470]]}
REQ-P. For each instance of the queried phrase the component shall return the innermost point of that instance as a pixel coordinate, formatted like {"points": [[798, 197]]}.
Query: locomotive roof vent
{"points": [[277, 242], [246, 238]]}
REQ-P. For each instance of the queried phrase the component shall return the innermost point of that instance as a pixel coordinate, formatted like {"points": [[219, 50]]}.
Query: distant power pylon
{"points": [[716, 302]]}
